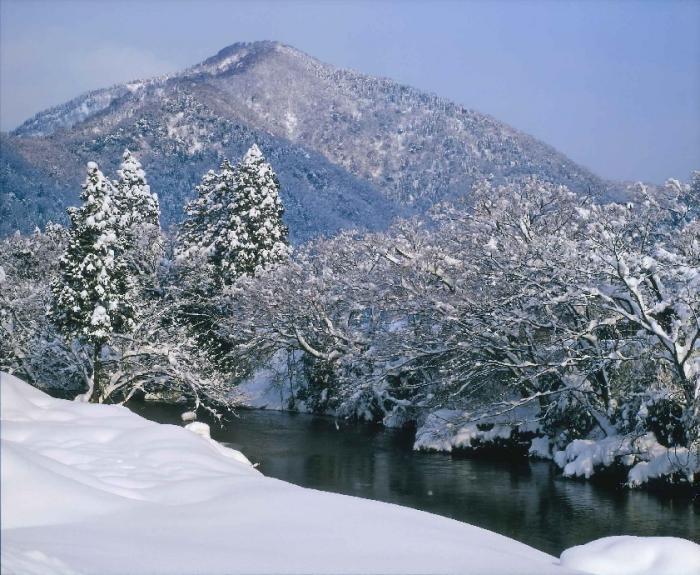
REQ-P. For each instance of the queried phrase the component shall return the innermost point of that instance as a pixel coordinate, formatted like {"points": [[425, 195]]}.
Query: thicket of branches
{"points": [[528, 295]]}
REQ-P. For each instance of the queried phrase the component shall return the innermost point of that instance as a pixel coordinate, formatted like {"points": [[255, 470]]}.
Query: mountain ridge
{"points": [[351, 150]]}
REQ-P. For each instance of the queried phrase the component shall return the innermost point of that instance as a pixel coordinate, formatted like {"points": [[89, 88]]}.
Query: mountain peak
{"points": [[258, 46], [350, 149], [241, 55]]}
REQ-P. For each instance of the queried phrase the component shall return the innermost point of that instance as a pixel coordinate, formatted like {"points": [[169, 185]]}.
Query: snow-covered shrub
{"points": [[643, 457]]}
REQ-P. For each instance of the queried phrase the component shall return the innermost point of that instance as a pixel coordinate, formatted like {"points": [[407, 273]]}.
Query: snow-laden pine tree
{"points": [[234, 225], [135, 201], [206, 219], [139, 217], [254, 236], [233, 228], [91, 297], [197, 270], [196, 258]]}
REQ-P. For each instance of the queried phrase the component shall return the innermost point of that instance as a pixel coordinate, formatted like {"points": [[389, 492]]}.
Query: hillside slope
{"points": [[350, 150]]}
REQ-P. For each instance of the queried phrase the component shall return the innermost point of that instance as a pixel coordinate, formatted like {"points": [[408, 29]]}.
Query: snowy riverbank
{"points": [[642, 456], [96, 489]]}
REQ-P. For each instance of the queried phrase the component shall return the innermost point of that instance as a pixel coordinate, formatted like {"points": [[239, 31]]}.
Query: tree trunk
{"points": [[96, 396]]}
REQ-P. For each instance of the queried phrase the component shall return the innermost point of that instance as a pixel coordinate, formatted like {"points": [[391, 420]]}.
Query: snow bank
{"points": [[96, 489], [628, 555], [448, 429], [645, 456]]}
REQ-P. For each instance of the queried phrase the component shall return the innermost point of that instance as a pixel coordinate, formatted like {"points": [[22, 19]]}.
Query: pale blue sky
{"points": [[614, 85]]}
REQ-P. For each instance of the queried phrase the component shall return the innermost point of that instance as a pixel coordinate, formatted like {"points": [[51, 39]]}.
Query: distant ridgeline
{"points": [[351, 151]]}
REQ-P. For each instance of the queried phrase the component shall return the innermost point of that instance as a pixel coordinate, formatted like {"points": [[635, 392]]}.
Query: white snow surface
{"points": [[627, 555], [92, 489], [645, 456], [448, 429]]}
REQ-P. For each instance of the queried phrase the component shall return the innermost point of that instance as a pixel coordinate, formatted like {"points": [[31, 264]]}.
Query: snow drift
{"points": [[628, 555], [96, 489], [92, 489]]}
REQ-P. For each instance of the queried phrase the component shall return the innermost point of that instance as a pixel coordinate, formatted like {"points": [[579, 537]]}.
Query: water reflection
{"points": [[525, 500]]}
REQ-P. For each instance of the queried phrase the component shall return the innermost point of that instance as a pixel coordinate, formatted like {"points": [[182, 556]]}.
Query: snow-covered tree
{"points": [[235, 223], [645, 262], [29, 344], [254, 235], [139, 217], [198, 238], [91, 296], [134, 199], [197, 277], [233, 229]]}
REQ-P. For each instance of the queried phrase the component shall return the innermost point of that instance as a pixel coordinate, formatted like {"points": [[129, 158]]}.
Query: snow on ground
{"points": [[90, 489], [628, 555]]}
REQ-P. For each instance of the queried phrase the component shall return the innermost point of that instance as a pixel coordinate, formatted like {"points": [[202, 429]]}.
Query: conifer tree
{"points": [[235, 223], [206, 215], [196, 255], [233, 228], [139, 217], [134, 199], [91, 295], [254, 235]]}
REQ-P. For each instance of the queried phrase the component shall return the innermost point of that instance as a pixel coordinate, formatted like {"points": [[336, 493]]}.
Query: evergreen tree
{"points": [[139, 217], [197, 270], [91, 296], [136, 204], [233, 228], [235, 223], [254, 236], [205, 216], [197, 260]]}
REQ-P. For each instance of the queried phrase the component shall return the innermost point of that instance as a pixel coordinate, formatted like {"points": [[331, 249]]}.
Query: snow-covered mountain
{"points": [[350, 150]]}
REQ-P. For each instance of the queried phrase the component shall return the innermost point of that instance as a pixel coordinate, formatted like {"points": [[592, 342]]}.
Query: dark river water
{"points": [[525, 500]]}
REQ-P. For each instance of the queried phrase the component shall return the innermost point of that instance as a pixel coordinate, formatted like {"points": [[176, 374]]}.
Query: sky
{"points": [[613, 85]]}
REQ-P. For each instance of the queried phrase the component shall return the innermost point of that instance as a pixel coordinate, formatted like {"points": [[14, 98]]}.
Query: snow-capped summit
{"points": [[238, 56]]}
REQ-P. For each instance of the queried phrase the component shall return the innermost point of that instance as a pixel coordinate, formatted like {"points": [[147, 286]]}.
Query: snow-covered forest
{"points": [[524, 315]]}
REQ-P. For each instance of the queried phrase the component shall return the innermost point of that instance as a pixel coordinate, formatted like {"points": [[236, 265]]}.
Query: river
{"points": [[526, 500]]}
